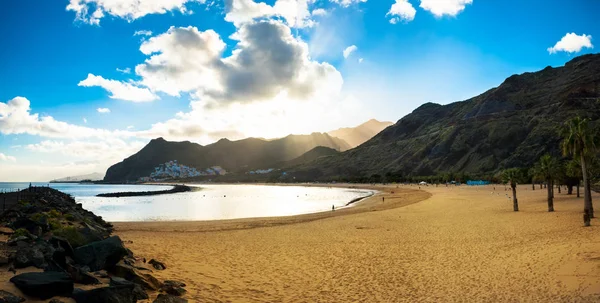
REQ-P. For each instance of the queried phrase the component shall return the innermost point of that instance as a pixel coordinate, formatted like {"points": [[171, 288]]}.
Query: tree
{"points": [[547, 169], [578, 141], [573, 168], [513, 176]]}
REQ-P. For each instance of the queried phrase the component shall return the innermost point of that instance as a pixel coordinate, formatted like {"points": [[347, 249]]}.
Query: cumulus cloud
{"points": [[400, 11], [439, 8], [142, 33], [126, 70], [349, 50], [319, 12], [346, 3], [266, 62], [92, 11], [572, 43], [120, 90], [7, 158], [16, 118], [295, 12], [84, 120], [103, 110]]}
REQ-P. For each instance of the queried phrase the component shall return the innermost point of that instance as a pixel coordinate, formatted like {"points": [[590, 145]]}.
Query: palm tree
{"points": [[573, 168], [578, 141], [513, 176], [547, 169]]}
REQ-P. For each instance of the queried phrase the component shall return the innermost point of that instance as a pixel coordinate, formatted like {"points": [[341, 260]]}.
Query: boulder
{"points": [[35, 254], [55, 301], [138, 292], [162, 298], [113, 294], [6, 297], [157, 264], [62, 243], [81, 276], [44, 285], [101, 254], [175, 288], [128, 272], [35, 228]]}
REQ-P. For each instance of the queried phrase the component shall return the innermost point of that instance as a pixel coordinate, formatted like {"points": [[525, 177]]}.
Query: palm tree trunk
{"points": [[532, 185], [558, 188], [514, 194], [578, 188], [591, 201], [550, 197], [587, 198], [541, 185]]}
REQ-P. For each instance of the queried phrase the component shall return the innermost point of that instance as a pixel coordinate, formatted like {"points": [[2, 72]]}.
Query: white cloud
{"points": [[346, 3], [349, 50], [84, 120], [127, 9], [266, 62], [130, 127], [110, 148], [4, 157], [402, 10], [126, 70], [15, 118], [295, 12], [319, 12], [572, 43], [360, 60], [120, 90], [440, 8], [142, 33], [103, 110]]}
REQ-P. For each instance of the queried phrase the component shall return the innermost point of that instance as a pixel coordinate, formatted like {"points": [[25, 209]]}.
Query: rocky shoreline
{"points": [[174, 190], [75, 250]]}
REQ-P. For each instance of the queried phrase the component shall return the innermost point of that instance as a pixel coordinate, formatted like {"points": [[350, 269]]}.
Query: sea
{"points": [[208, 202]]}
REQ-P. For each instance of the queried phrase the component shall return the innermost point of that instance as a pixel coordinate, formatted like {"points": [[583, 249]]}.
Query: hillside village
{"points": [[174, 170]]}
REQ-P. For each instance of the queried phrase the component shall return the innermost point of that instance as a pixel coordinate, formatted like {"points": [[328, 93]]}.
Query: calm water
{"points": [[212, 202]]}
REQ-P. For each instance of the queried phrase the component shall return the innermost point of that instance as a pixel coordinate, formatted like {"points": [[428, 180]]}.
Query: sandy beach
{"points": [[441, 244]]}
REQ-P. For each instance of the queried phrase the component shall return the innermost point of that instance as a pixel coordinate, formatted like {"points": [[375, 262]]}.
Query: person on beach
{"points": [[383, 199], [332, 207]]}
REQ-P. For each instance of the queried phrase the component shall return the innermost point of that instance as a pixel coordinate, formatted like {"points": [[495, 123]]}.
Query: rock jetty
{"points": [[50, 231]]}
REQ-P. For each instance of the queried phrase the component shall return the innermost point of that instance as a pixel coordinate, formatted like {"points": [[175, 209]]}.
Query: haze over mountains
{"points": [[356, 136]]}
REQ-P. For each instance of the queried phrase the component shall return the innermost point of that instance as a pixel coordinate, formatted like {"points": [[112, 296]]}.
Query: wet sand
{"points": [[437, 245]]}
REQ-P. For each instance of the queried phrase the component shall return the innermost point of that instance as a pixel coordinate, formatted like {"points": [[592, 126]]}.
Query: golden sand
{"points": [[455, 244], [461, 244]]}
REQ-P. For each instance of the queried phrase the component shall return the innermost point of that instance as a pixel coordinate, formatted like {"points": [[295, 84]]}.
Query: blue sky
{"points": [[239, 68]]}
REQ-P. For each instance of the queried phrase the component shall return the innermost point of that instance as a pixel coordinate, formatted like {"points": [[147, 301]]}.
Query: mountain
{"points": [[356, 136], [92, 177], [236, 156], [511, 125], [311, 155]]}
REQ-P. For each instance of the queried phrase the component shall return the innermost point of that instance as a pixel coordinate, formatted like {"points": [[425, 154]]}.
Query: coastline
{"points": [[394, 198]]}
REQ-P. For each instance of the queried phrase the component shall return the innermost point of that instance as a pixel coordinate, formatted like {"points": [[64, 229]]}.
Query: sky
{"points": [[86, 83]]}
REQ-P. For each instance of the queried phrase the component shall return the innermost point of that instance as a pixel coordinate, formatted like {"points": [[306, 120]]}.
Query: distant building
{"points": [[174, 170]]}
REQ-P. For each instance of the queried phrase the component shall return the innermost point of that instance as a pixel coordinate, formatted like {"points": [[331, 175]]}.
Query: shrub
{"points": [[70, 217], [54, 213], [54, 224], [72, 235]]}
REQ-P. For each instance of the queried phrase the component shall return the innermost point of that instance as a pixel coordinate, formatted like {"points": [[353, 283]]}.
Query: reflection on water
{"points": [[212, 202]]}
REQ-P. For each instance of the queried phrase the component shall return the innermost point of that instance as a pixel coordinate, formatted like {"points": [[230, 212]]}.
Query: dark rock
{"points": [[44, 285], [157, 264], [81, 275], [101, 274], [15, 241], [162, 298], [55, 301], [174, 288], [128, 272], [35, 228], [59, 242], [112, 294], [138, 292], [6, 297], [35, 254], [102, 254]]}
